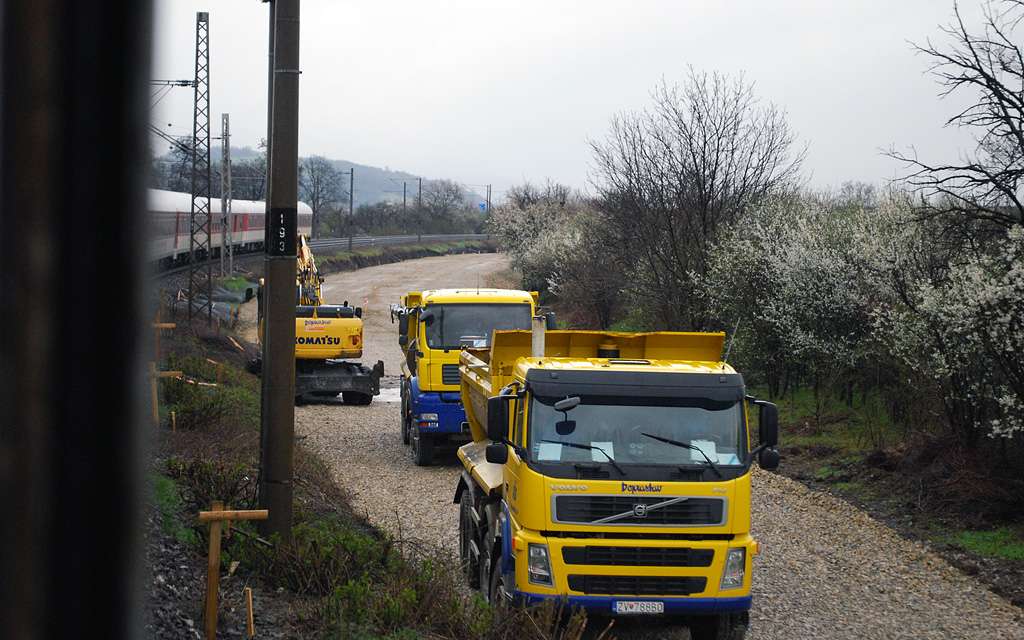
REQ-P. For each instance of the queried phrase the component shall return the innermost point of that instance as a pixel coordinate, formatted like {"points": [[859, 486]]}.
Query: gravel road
{"points": [[826, 569]]}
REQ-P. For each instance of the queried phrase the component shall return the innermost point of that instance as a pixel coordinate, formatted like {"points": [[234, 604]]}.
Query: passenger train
{"points": [[170, 231]]}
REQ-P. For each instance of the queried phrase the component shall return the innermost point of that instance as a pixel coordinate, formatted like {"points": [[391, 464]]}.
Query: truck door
{"points": [[514, 465]]}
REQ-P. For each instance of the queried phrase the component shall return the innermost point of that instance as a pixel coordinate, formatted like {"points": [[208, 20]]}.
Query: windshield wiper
{"points": [[589, 447], [685, 445]]}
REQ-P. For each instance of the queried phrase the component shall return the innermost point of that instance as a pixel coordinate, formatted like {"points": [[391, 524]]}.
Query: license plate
{"points": [[637, 607]]}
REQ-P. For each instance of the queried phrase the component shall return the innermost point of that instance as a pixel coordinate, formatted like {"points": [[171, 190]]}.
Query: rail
{"points": [[333, 245], [326, 245]]}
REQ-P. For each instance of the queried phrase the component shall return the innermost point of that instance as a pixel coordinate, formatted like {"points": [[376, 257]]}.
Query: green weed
{"points": [[1005, 543], [169, 503]]}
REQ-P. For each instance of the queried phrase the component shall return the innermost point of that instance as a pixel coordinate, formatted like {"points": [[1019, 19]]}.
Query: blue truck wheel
{"points": [[422, 447]]}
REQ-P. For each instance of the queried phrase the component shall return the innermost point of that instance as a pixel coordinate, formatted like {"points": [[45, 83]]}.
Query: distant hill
{"points": [[372, 184]]}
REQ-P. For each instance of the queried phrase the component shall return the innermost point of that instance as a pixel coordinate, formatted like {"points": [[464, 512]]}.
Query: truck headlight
{"points": [[732, 574], [538, 565], [428, 417]]}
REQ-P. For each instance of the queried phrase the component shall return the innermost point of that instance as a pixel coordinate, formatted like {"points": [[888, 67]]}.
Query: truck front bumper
{"points": [[673, 605]]}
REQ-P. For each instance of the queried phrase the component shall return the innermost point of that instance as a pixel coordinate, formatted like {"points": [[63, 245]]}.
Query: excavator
{"points": [[327, 337]]}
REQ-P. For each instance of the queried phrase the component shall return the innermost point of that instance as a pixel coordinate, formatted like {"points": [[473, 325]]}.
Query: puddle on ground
{"points": [[389, 395]]}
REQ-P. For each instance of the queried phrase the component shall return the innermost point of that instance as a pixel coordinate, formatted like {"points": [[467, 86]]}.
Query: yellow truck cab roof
{"points": [[577, 364], [440, 296]]}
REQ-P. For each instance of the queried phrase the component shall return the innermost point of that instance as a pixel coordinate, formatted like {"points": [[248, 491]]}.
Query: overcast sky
{"points": [[507, 92]]}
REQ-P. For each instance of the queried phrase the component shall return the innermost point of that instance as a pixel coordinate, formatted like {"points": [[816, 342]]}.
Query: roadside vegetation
{"points": [[887, 322]]}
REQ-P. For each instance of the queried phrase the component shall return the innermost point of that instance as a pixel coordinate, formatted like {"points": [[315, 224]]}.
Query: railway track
{"points": [[333, 245], [165, 284]]}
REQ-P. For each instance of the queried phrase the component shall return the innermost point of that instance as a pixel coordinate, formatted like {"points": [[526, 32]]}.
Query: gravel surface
{"points": [[826, 569]]}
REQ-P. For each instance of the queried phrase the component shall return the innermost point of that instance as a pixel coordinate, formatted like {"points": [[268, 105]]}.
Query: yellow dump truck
{"points": [[433, 326], [612, 470]]}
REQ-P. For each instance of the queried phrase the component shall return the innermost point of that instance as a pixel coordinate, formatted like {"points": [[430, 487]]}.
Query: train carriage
{"points": [[170, 225]]}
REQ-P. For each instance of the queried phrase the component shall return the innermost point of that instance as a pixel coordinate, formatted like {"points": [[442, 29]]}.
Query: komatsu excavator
{"points": [[327, 336]]}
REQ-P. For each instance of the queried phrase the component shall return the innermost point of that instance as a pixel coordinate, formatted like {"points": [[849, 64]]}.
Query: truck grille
{"points": [[638, 556], [638, 585], [618, 510], [450, 374]]}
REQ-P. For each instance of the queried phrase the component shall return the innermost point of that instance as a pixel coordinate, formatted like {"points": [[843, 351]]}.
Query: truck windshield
{"points": [[471, 324], [622, 427]]}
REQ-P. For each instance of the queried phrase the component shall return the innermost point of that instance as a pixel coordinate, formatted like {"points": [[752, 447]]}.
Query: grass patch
{"points": [[1005, 543], [168, 502], [238, 284]]}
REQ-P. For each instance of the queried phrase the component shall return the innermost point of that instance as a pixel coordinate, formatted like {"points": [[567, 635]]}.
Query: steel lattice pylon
{"points": [[200, 282]]}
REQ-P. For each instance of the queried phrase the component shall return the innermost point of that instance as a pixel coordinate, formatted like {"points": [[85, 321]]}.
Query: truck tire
{"points": [[467, 532], [356, 398], [422, 447], [406, 418], [498, 593], [721, 627]]}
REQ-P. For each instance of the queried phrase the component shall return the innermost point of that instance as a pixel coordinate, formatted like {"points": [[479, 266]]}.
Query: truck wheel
{"points": [[356, 398], [467, 531], [721, 627], [406, 418], [422, 447], [498, 594]]}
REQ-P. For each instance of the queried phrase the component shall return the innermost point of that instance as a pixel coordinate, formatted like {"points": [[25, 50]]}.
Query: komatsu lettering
{"points": [[318, 340]]}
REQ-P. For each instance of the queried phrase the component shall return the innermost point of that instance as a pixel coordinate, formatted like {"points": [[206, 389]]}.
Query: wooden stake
{"points": [[249, 627], [215, 516], [213, 573], [157, 326], [153, 375], [174, 423]]}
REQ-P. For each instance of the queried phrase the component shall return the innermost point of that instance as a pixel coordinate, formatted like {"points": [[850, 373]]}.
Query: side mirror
{"points": [[403, 340], [496, 452], [768, 423], [768, 459], [427, 317], [549, 318], [359, 312], [497, 418], [403, 325]]}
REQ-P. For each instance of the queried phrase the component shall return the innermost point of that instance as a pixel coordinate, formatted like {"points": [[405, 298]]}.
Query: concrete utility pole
{"points": [[277, 431], [351, 187], [227, 221]]}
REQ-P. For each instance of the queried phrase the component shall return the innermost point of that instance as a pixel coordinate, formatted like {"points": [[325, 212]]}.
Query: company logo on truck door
{"points": [[568, 487], [628, 487]]}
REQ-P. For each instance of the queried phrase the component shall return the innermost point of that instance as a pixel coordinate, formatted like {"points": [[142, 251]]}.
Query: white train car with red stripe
{"points": [[170, 216]]}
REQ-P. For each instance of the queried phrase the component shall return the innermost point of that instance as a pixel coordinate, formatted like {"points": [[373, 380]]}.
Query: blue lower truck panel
{"points": [[447, 406]]}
